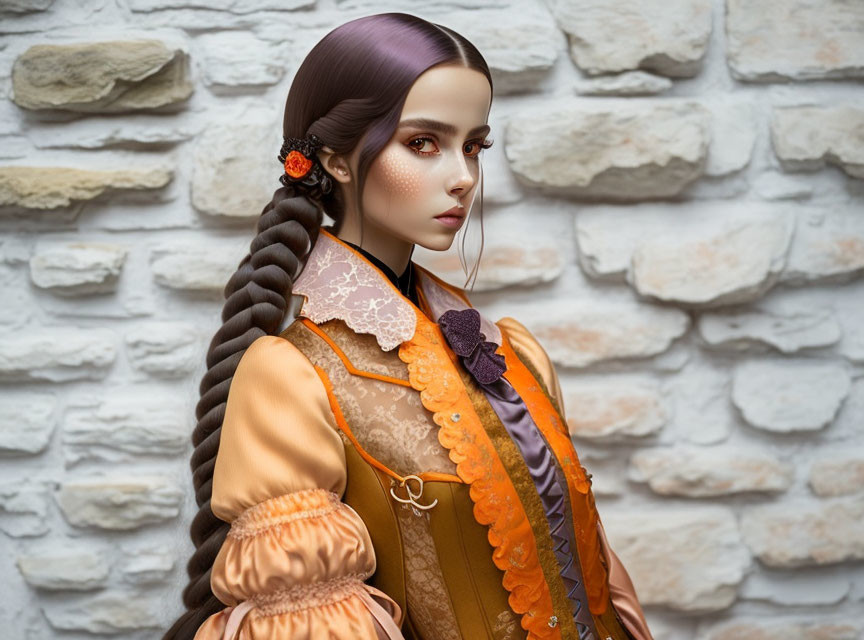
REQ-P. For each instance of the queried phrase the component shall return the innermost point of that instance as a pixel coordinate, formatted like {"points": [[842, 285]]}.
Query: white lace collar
{"points": [[339, 282]]}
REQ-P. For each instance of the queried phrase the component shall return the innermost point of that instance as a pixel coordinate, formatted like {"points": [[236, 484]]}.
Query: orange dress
{"points": [[361, 388]]}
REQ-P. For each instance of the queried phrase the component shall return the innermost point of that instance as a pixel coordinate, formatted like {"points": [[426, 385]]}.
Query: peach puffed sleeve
{"points": [[621, 588], [296, 557]]}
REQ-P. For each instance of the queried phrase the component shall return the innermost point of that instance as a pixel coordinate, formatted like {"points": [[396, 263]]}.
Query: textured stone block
{"points": [[503, 264], [64, 569], [629, 83], [669, 38], [731, 266], [710, 471], [795, 588], [26, 422], [25, 6], [776, 40], [23, 509], [195, 268], [610, 411], [609, 150], [119, 503], [798, 535], [57, 354], [688, 560], [102, 77], [840, 474], [793, 394], [165, 349], [578, 335], [146, 566], [231, 177], [78, 268], [787, 329], [232, 59], [111, 614], [828, 247], [128, 422], [141, 133], [807, 137], [53, 187], [520, 47]]}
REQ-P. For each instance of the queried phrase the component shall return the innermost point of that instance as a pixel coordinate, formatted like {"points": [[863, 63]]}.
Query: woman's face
{"points": [[432, 162]]}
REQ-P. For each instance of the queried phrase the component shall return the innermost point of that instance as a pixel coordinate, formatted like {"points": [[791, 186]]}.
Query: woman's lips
{"points": [[452, 217], [450, 221]]}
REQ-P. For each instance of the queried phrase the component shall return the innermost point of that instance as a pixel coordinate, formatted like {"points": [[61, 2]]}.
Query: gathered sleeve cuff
{"points": [[295, 559]]}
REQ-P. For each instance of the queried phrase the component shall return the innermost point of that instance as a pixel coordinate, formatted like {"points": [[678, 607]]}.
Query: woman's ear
{"points": [[334, 164]]}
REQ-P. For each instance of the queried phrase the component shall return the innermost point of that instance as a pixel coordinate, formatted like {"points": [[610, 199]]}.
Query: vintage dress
{"points": [[368, 474]]}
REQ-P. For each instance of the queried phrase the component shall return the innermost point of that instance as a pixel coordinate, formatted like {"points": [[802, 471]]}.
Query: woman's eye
{"points": [[478, 146], [472, 148], [417, 149]]}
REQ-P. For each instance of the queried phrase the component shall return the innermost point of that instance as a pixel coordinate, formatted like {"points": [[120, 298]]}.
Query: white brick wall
{"points": [[693, 267]]}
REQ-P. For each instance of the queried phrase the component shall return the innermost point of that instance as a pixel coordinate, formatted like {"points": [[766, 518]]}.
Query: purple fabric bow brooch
{"points": [[462, 330]]}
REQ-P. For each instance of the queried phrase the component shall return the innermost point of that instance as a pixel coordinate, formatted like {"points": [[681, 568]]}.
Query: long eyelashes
{"points": [[485, 144], [482, 144]]}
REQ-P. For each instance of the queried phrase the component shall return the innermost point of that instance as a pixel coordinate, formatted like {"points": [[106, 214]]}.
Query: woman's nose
{"points": [[461, 179]]}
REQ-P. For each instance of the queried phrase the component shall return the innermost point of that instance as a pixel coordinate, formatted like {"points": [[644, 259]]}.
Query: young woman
{"points": [[388, 463]]}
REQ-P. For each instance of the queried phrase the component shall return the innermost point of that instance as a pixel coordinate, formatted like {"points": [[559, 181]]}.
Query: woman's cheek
{"points": [[401, 176]]}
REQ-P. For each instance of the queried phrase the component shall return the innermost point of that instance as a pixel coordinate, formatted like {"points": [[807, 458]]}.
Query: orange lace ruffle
{"points": [[432, 372], [585, 517]]}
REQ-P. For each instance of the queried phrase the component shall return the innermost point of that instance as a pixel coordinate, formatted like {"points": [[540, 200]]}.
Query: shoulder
{"points": [[532, 353], [270, 354], [519, 335], [278, 432], [274, 364]]}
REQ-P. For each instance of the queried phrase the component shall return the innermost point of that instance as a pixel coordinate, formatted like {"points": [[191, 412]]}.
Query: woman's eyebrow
{"points": [[442, 127]]}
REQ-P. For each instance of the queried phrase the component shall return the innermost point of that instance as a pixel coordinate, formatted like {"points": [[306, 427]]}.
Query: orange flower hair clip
{"points": [[302, 170]]}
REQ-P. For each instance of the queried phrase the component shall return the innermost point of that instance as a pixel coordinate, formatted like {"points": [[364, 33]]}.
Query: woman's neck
{"points": [[404, 281], [392, 251]]}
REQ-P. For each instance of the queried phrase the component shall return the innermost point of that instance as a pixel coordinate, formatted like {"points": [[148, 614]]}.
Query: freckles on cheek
{"points": [[401, 177]]}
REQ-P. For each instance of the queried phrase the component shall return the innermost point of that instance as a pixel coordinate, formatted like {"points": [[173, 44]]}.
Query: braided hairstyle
{"points": [[349, 92]]}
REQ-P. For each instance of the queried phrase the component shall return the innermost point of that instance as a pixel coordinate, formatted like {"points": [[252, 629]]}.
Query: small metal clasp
{"points": [[412, 496]]}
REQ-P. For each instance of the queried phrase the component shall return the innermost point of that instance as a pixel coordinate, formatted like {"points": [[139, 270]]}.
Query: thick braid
{"points": [[256, 300]]}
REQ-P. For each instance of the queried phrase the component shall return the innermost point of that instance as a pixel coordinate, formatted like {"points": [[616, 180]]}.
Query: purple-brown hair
{"points": [[349, 91]]}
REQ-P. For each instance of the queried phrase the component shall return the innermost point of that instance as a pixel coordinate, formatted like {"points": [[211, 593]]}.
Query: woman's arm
{"points": [[295, 560]]}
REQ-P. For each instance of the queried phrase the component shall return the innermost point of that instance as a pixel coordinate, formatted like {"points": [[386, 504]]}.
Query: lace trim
{"points": [[339, 283], [441, 297], [496, 502], [299, 505], [585, 516], [309, 596]]}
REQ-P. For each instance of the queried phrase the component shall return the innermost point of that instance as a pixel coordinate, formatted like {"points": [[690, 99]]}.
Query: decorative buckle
{"points": [[412, 496]]}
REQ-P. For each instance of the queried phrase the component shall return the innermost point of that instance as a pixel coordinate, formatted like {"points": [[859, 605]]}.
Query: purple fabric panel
{"points": [[550, 486]]}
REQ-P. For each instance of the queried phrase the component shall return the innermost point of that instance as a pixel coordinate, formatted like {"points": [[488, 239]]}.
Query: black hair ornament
{"points": [[303, 170]]}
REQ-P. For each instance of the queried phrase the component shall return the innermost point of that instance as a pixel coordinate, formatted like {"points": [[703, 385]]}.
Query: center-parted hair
{"points": [[349, 91]]}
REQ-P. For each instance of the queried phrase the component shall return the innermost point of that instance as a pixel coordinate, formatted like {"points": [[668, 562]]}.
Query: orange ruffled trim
{"points": [[585, 515], [311, 503], [432, 372]]}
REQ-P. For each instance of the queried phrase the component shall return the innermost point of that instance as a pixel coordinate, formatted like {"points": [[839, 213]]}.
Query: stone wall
{"points": [[673, 205]]}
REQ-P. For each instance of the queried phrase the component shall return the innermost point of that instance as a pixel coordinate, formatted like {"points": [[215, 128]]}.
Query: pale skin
{"points": [[405, 189]]}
